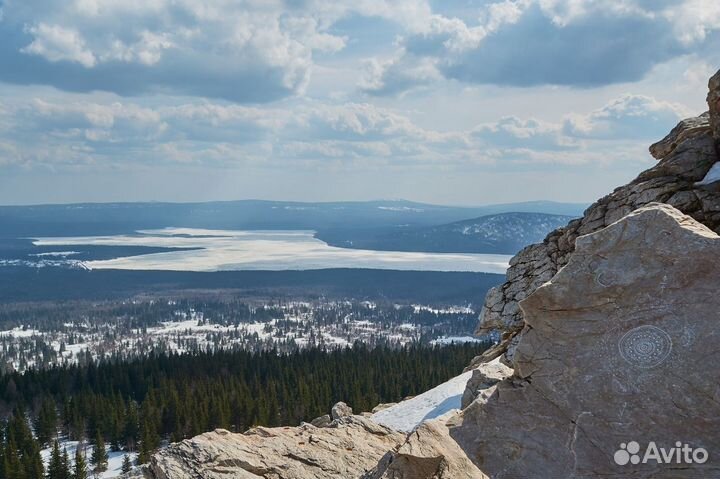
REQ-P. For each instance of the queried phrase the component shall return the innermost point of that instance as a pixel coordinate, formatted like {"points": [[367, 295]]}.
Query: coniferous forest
{"points": [[136, 405]]}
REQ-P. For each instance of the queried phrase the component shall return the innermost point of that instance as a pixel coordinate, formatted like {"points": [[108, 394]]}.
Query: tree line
{"points": [[139, 404]]}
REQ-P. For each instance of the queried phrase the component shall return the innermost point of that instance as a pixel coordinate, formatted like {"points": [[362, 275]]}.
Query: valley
{"points": [[81, 333]]}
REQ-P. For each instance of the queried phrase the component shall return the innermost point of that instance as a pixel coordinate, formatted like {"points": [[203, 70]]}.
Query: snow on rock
{"points": [[407, 415], [711, 176]]}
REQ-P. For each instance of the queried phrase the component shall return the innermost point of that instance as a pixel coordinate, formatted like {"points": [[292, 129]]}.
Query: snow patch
{"points": [[408, 415], [711, 176]]}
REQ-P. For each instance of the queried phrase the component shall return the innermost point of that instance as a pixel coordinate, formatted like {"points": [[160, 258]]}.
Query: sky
{"points": [[449, 102]]}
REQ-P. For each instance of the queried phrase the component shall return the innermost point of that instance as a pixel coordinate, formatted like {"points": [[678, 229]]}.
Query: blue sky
{"points": [[451, 102]]}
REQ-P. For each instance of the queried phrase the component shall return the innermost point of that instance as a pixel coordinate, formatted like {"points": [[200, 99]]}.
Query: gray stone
{"points": [[620, 346], [685, 129], [322, 421], [713, 100], [428, 453], [340, 410], [483, 378]]}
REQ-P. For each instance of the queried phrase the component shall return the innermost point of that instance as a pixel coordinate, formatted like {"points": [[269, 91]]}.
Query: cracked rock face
{"points": [[481, 383], [349, 448], [685, 157], [621, 345], [428, 453]]}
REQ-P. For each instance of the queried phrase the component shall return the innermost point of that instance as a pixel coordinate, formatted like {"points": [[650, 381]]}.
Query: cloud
{"points": [[397, 75], [240, 51], [512, 132], [628, 117], [56, 43], [243, 51], [312, 134], [527, 43]]}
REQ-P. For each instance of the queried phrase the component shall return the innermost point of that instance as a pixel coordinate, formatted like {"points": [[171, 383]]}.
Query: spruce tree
{"points": [[58, 464], [149, 438], [46, 422], [66, 464], [99, 456], [12, 468], [126, 464], [80, 470]]}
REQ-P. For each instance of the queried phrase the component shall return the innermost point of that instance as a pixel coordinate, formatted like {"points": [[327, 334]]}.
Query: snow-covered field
{"points": [[220, 250], [294, 324], [115, 458], [455, 340]]}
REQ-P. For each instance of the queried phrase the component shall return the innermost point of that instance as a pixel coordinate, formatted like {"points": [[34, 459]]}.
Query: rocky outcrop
{"points": [[685, 157], [349, 449], [616, 350], [686, 129], [713, 100], [340, 410], [322, 421], [428, 453], [483, 378]]}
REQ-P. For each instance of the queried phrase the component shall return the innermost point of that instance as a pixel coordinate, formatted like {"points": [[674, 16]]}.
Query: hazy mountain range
{"points": [[504, 233], [328, 219]]}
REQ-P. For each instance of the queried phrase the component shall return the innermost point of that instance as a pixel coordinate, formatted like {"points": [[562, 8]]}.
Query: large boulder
{"points": [[340, 410], [619, 350], [428, 453], [483, 378], [349, 449], [679, 179]]}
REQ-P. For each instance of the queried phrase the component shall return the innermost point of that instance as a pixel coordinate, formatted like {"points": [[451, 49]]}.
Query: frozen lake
{"points": [[221, 250]]}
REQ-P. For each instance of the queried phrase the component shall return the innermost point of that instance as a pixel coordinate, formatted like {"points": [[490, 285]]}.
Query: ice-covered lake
{"points": [[221, 250]]}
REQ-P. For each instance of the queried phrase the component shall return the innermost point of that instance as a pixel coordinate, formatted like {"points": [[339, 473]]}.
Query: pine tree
{"points": [[99, 456], [126, 464], [46, 422], [146, 443], [26, 462], [12, 468], [80, 471], [66, 464], [131, 426], [58, 465]]}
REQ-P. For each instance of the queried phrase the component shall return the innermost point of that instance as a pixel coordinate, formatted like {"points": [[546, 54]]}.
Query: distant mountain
{"points": [[504, 233], [119, 218], [541, 206]]}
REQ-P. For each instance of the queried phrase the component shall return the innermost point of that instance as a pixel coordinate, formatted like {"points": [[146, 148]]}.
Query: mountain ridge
{"points": [[500, 233]]}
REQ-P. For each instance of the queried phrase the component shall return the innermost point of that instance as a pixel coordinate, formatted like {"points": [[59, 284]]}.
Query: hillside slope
{"points": [[502, 233]]}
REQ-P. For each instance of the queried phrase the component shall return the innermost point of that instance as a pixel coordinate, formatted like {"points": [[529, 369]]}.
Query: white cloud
{"points": [[313, 133], [538, 42], [58, 43], [513, 132], [244, 51], [631, 116], [693, 20]]}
